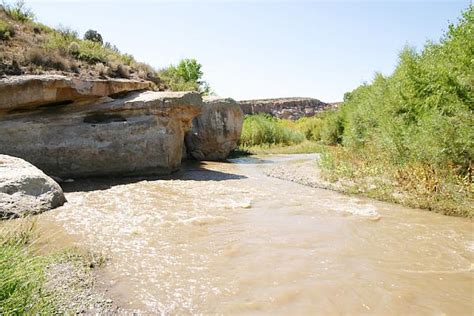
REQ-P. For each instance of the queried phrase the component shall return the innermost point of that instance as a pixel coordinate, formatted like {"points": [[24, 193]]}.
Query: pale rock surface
{"points": [[216, 131], [30, 91], [24, 189], [139, 133]]}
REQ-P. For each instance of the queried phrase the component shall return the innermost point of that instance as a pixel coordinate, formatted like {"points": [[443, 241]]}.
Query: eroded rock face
{"points": [[216, 131], [285, 108], [29, 91], [140, 133], [24, 189]]}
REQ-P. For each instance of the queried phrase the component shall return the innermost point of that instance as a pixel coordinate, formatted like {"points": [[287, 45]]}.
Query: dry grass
{"points": [[415, 184], [29, 47], [304, 147]]}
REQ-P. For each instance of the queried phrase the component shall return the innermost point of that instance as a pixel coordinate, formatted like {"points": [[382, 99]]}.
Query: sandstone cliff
{"points": [[285, 108], [71, 128]]}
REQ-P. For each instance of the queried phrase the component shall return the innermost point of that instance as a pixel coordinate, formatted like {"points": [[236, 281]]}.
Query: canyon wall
{"points": [[286, 108]]}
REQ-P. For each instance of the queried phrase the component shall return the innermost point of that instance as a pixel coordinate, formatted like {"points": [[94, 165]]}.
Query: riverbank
{"points": [[309, 172], [37, 280]]}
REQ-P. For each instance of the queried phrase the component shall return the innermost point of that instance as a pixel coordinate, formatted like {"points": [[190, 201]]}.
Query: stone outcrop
{"points": [[285, 108], [24, 189], [102, 132], [30, 91], [216, 131]]}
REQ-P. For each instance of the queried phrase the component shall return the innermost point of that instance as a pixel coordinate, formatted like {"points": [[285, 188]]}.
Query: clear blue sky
{"points": [[260, 49]]}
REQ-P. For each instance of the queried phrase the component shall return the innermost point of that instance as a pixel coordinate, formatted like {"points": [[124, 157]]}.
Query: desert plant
{"points": [[47, 59], [18, 11], [73, 48], [93, 36], [6, 31], [92, 52]]}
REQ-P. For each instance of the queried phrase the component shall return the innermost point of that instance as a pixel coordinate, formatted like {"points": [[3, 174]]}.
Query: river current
{"points": [[225, 238]]}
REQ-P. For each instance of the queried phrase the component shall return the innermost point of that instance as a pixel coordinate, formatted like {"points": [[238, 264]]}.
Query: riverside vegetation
{"points": [[33, 279], [30, 47], [406, 138]]}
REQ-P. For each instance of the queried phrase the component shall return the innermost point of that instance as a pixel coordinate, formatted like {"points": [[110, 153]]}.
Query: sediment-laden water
{"points": [[225, 238]]}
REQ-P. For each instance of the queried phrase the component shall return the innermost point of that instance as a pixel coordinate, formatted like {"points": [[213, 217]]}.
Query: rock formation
{"points": [[285, 108], [24, 189], [71, 128], [30, 91], [216, 130]]}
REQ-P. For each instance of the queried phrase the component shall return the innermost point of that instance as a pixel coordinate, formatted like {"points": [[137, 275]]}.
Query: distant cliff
{"points": [[286, 108]]}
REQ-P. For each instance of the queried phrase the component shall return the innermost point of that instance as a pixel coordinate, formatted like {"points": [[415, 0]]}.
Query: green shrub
{"points": [[416, 126], [18, 11], [6, 31], [186, 76], [310, 127], [332, 128], [264, 130], [92, 52], [93, 36]]}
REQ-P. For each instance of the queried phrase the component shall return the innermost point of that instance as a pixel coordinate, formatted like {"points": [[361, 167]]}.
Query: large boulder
{"points": [[216, 131], [24, 189], [18, 93], [141, 132]]}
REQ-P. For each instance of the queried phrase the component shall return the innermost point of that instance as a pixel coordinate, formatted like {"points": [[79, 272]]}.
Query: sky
{"points": [[263, 49]]}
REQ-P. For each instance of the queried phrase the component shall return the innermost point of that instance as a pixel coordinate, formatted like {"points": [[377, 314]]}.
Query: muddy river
{"points": [[224, 238]]}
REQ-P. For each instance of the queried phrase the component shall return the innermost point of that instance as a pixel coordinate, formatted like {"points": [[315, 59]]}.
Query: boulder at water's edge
{"points": [[216, 131], [24, 189]]}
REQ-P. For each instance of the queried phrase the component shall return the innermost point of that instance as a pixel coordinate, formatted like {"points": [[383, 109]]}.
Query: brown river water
{"points": [[224, 238]]}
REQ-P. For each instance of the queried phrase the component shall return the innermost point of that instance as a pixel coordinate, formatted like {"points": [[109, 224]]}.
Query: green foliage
{"points": [[418, 123], [6, 31], [93, 36], [332, 128], [304, 147], [265, 130], [92, 52], [18, 11], [186, 76], [310, 127], [22, 275], [423, 112]]}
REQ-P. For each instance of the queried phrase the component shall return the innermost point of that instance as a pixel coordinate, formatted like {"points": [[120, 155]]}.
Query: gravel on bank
{"points": [[305, 172]]}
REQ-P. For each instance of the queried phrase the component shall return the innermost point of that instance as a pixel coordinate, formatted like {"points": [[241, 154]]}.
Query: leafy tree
{"points": [[93, 36], [187, 75], [423, 112]]}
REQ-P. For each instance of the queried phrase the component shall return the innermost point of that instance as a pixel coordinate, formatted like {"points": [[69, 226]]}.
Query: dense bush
{"points": [[418, 122], [48, 60], [186, 76], [423, 112], [265, 130], [6, 31], [93, 36]]}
